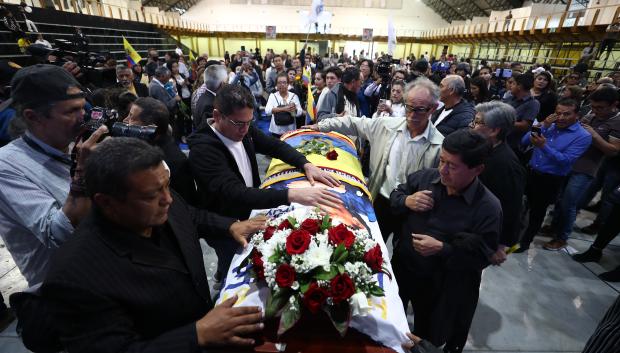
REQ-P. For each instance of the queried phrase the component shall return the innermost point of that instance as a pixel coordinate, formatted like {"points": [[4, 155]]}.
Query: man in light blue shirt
{"points": [[37, 210], [558, 143]]}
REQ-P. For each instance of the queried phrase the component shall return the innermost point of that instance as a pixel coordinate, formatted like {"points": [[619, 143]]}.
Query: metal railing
{"points": [[546, 23]]}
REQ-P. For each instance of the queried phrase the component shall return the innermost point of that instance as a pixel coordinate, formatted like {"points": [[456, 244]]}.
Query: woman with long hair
{"points": [[544, 91], [479, 90]]}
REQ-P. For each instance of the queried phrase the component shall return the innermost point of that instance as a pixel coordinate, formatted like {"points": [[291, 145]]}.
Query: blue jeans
{"points": [[571, 198]]}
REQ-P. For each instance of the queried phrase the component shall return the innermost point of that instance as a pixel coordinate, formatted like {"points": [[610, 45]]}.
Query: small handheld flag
{"points": [[132, 55]]}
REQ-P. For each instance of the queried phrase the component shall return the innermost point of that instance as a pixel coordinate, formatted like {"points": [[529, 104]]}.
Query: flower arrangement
{"points": [[318, 146], [312, 263]]}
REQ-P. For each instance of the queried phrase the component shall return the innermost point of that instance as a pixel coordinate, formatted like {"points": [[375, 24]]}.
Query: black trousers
{"points": [[610, 229], [443, 303], [388, 222], [542, 190]]}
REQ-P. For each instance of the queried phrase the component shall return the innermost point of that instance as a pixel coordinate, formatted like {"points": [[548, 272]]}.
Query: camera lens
{"points": [[146, 133]]}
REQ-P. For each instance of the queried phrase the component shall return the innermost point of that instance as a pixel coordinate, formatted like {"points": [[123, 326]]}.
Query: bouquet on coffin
{"points": [[312, 263]]}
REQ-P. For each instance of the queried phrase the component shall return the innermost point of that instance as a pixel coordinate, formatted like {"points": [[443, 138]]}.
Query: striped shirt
{"points": [[34, 184]]}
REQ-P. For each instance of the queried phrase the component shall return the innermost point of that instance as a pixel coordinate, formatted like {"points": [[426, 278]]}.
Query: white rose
{"points": [[359, 304]]}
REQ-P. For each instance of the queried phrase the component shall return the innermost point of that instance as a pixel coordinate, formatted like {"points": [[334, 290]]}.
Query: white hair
{"points": [[425, 84], [214, 76]]}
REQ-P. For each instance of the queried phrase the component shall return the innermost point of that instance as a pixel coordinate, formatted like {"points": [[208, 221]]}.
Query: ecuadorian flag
{"points": [[132, 55], [307, 80]]}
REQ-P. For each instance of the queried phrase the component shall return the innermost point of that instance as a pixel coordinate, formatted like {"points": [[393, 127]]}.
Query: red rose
{"points": [[310, 225], [374, 258], [297, 242], [257, 261], [285, 275], [285, 225], [332, 155], [268, 233], [341, 235], [314, 297], [342, 288]]}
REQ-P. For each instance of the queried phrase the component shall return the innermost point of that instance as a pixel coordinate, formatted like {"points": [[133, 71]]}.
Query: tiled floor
{"points": [[538, 301]]}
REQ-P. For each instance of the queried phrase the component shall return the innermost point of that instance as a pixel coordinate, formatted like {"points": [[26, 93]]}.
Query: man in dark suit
{"points": [[157, 90], [148, 112], [125, 78], [215, 77], [223, 160], [457, 113], [133, 279]]}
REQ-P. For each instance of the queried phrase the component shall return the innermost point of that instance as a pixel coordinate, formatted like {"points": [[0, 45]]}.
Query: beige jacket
{"points": [[381, 133]]}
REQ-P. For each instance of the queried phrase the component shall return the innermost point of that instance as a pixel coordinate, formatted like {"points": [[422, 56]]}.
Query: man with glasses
{"points": [[223, 160], [401, 145]]}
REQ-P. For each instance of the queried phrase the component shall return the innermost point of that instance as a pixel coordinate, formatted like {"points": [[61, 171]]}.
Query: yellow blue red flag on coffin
{"points": [[132, 55]]}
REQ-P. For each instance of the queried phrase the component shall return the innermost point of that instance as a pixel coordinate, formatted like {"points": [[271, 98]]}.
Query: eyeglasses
{"points": [[476, 122], [238, 124], [416, 110]]}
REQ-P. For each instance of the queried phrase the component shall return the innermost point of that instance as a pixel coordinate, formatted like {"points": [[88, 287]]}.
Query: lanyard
{"points": [[40, 149]]}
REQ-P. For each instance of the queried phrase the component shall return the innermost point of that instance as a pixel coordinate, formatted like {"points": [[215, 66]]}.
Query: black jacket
{"points": [[110, 290], [221, 187], [181, 179], [461, 116], [204, 109], [141, 89]]}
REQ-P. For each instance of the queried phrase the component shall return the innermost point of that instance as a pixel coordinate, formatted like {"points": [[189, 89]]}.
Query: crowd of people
{"points": [[462, 162]]}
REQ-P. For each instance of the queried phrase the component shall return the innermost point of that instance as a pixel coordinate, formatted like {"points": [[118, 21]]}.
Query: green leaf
{"points": [[291, 313], [337, 252], [303, 287], [326, 223], [276, 302], [343, 257], [326, 275], [340, 316], [274, 258], [292, 221], [377, 291], [340, 268]]}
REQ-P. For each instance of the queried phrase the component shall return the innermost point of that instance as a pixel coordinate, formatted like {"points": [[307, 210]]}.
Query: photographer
{"points": [[375, 89], [41, 203], [148, 112]]}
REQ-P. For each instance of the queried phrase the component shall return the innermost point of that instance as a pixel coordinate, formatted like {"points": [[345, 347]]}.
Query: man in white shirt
{"points": [[223, 161]]}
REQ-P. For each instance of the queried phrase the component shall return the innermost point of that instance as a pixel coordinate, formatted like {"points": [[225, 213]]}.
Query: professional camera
{"points": [[87, 61], [384, 68], [109, 117]]}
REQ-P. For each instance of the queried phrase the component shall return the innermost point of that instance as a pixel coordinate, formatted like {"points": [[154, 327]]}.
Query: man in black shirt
{"points": [[503, 173], [454, 222], [132, 278]]}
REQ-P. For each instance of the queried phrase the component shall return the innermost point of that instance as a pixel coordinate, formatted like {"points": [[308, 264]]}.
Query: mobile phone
{"points": [[507, 73], [536, 130]]}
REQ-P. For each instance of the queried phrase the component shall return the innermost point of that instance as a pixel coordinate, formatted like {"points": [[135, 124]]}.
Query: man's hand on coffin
{"points": [[426, 245], [314, 127], [313, 173], [413, 340], [226, 325], [317, 197], [500, 255], [421, 201], [418, 345], [241, 231]]}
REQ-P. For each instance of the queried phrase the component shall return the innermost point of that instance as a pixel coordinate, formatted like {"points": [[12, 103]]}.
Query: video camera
{"points": [[99, 116], [87, 61], [384, 68]]}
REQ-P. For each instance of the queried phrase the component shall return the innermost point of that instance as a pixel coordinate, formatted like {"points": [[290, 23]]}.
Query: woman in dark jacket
{"points": [[544, 92], [479, 90]]}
